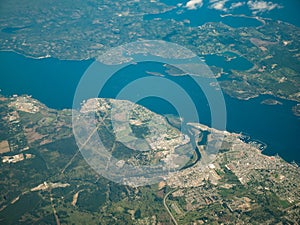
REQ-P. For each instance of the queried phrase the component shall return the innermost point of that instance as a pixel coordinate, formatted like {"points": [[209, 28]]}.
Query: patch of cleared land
{"points": [[4, 147]]}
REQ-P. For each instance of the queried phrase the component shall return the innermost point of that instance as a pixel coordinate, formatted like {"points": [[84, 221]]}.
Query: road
{"points": [[167, 208]]}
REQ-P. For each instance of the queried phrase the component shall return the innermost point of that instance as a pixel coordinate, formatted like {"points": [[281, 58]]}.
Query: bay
{"points": [[50, 80], [54, 82], [228, 61]]}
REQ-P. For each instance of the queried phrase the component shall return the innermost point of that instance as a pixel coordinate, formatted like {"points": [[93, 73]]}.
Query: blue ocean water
{"points": [[50, 80], [236, 63], [54, 82], [203, 15]]}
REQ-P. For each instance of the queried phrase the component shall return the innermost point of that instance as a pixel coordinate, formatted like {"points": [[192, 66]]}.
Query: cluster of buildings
{"points": [[16, 158], [25, 104]]}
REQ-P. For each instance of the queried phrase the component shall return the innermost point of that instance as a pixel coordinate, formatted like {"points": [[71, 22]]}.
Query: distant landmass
{"points": [[270, 46]]}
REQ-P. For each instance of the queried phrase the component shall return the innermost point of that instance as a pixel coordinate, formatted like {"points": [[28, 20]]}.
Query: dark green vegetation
{"points": [[99, 201], [40, 28], [272, 48], [120, 151], [79, 195], [140, 131]]}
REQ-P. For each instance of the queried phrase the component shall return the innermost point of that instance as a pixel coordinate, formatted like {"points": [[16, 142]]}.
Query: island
{"points": [[270, 101]]}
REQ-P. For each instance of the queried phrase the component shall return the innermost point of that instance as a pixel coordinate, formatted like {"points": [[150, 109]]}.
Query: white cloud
{"points": [[219, 5], [262, 6], [236, 5], [194, 4], [257, 6]]}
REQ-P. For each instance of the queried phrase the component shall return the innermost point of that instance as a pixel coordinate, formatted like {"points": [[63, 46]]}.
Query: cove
{"points": [[53, 82]]}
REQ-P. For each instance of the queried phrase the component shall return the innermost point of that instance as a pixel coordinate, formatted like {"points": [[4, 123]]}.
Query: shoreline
{"points": [[47, 56]]}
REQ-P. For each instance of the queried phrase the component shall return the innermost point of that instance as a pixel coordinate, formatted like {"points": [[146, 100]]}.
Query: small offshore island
{"points": [[270, 101], [238, 183], [296, 110]]}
